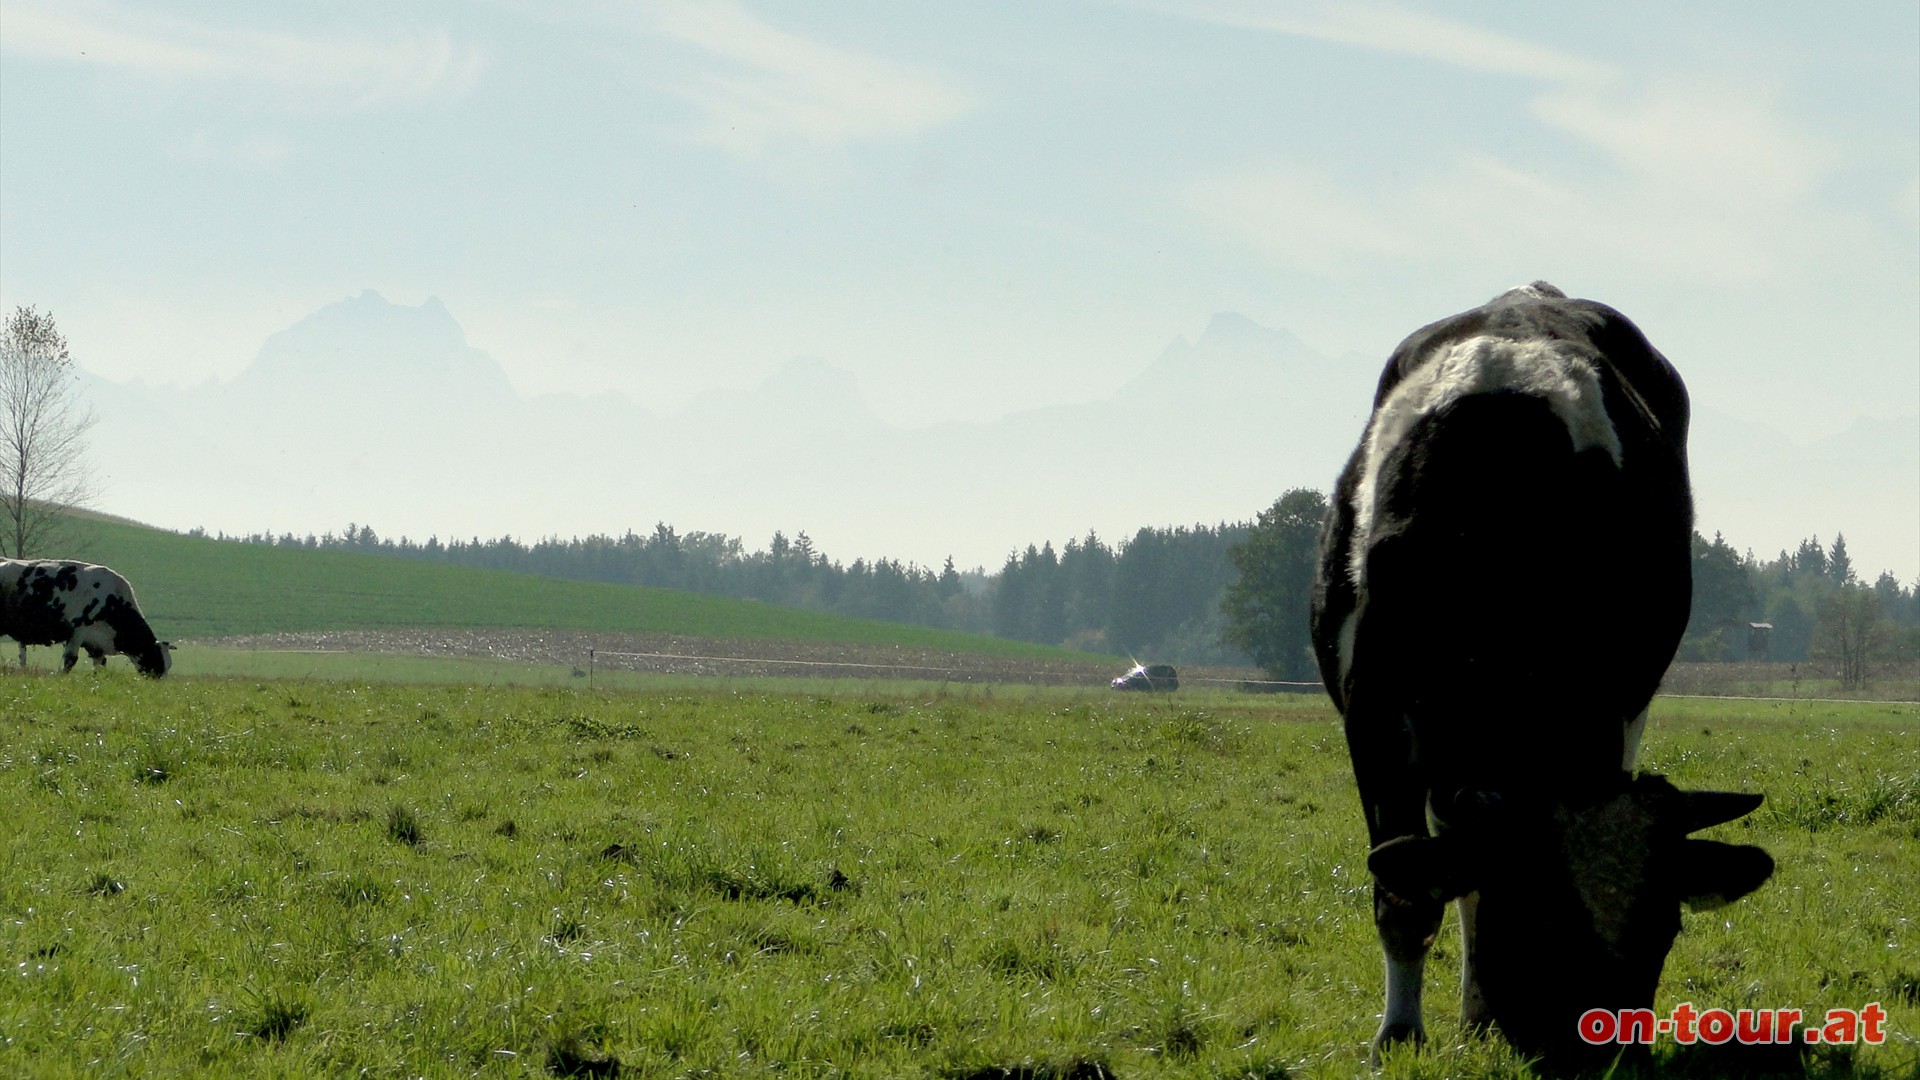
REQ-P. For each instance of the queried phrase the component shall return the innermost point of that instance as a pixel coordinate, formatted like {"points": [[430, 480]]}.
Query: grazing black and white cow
{"points": [[1504, 576], [79, 606]]}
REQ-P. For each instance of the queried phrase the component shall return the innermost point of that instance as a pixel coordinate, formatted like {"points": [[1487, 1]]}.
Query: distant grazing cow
{"points": [[1504, 576], [79, 606]]}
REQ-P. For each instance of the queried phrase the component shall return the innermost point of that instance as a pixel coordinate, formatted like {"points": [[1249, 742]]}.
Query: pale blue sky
{"points": [[973, 208]]}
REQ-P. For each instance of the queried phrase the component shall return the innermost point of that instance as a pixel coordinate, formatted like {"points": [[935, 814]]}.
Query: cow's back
{"points": [[1509, 598], [43, 600], [1496, 563]]}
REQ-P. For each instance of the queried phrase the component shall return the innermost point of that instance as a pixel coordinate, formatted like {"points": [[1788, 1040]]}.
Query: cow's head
{"points": [[1579, 902], [156, 661]]}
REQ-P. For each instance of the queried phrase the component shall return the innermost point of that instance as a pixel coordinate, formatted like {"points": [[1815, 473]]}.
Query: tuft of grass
{"points": [[587, 728], [567, 1057], [1200, 730], [752, 885], [1039, 956], [103, 884], [272, 1016], [403, 826], [1878, 798], [358, 890]]}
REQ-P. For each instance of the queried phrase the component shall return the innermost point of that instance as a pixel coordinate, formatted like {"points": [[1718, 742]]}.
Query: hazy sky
{"points": [[970, 207]]}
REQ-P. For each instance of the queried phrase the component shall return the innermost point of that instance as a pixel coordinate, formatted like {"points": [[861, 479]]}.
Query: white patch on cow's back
{"points": [[93, 585], [1556, 372]]}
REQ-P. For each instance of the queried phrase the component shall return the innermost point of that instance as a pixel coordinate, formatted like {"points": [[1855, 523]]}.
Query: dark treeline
{"points": [[1162, 594], [1818, 605], [1157, 594]]}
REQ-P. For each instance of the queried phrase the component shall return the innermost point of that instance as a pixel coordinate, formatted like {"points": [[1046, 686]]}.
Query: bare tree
{"points": [[1850, 632], [43, 429]]}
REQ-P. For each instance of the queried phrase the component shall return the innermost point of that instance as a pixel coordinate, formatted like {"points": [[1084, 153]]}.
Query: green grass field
{"points": [[193, 587], [270, 877]]}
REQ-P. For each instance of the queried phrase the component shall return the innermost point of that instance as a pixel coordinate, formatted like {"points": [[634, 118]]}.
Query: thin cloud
{"points": [[1699, 178], [1726, 142], [1391, 29], [762, 86], [1724, 195], [412, 68]]}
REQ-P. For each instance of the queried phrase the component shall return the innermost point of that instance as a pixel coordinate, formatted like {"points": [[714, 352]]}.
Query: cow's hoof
{"points": [[1477, 1023], [1396, 1034], [1475, 1017]]}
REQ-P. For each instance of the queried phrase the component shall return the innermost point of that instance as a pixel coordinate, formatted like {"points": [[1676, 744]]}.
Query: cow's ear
{"points": [[1711, 874], [1705, 809], [1431, 867]]}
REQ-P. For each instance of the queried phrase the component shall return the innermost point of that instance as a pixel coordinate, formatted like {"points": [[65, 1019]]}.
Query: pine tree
{"points": [[1839, 565]]}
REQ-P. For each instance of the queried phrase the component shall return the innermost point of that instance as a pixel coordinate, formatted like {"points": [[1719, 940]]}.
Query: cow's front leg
{"points": [[1474, 1015], [1407, 928], [98, 656], [1394, 797]]}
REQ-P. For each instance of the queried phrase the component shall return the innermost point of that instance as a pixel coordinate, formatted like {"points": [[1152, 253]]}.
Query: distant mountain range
{"points": [[377, 413]]}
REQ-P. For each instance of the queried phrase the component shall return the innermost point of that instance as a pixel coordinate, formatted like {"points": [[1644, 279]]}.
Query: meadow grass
{"points": [[195, 587], [265, 877], [1891, 681]]}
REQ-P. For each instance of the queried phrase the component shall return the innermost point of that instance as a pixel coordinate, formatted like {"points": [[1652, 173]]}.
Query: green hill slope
{"points": [[194, 587]]}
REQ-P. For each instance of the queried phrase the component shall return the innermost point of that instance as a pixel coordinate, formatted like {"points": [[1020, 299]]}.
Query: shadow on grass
{"points": [[1078, 1069], [1768, 1061], [567, 1058], [1731, 1061]]}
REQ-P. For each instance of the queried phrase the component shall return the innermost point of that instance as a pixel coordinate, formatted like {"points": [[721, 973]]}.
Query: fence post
{"points": [[589, 667]]}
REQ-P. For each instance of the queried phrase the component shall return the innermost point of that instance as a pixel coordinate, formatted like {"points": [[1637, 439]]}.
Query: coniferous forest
{"points": [[1186, 594]]}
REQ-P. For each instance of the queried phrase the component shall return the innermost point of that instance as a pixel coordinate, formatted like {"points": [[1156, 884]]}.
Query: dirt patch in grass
{"points": [[735, 658]]}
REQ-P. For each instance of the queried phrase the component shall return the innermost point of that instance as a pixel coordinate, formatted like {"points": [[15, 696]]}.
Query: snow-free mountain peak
{"points": [[1249, 367], [369, 344]]}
